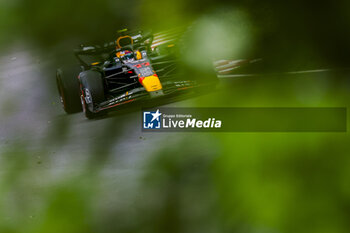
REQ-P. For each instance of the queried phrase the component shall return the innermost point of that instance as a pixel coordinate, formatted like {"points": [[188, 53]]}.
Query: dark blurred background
{"points": [[63, 173], [294, 30]]}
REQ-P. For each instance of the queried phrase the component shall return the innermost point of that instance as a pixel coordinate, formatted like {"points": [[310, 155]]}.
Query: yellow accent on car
{"points": [[138, 55], [119, 54], [95, 63], [152, 83], [123, 30]]}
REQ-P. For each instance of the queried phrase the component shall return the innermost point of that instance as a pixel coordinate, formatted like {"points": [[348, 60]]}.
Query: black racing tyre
{"points": [[68, 89], [93, 93]]}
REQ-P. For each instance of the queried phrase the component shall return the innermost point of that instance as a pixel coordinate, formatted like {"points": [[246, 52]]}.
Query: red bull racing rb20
{"points": [[120, 72]]}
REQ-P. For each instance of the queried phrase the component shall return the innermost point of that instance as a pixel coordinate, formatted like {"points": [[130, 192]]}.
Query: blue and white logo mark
{"points": [[151, 120]]}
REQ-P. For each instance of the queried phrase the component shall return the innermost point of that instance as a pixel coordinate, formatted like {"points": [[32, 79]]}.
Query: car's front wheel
{"points": [[92, 93], [68, 89]]}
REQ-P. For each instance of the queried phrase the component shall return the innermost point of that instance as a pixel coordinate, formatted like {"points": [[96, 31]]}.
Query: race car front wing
{"points": [[140, 93]]}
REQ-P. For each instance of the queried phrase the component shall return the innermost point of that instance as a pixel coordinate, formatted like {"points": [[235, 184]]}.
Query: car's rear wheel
{"points": [[92, 90], [68, 89]]}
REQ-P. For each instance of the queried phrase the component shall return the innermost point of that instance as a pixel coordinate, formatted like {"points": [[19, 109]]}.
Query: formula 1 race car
{"points": [[123, 71]]}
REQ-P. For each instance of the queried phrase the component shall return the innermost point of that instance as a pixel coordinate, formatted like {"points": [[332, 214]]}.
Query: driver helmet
{"points": [[121, 42], [126, 54]]}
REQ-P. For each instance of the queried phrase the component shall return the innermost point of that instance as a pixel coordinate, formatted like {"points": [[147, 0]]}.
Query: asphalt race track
{"points": [[56, 146], [30, 108], [31, 115], [33, 121]]}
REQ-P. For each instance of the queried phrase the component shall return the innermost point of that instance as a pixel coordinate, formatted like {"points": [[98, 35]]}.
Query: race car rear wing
{"points": [[110, 47]]}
